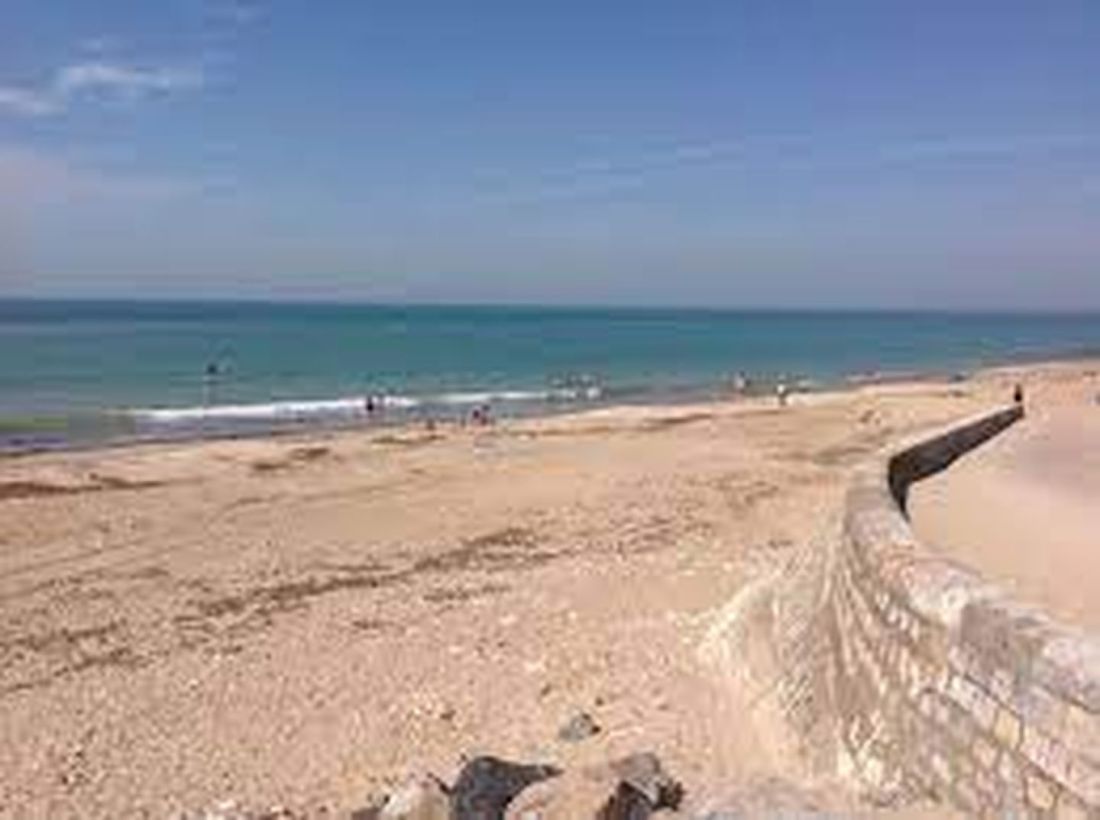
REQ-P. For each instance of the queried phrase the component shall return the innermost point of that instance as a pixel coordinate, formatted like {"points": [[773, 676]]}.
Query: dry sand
{"points": [[300, 622], [1025, 508]]}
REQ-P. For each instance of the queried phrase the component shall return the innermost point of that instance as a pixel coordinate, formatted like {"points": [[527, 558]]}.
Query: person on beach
{"points": [[781, 394], [1018, 394], [480, 416]]}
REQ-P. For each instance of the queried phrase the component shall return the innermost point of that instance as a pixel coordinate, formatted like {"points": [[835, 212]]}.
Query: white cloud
{"points": [[27, 103], [95, 77], [123, 79]]}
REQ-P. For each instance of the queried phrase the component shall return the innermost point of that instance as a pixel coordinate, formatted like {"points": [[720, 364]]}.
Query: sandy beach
{"points": [[300, 622]]}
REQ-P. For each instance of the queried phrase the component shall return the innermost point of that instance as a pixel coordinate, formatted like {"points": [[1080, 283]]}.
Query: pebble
{"points": [[580, 726]]}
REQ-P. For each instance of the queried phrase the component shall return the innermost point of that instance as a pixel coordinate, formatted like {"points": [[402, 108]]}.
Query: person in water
{"points": [[209, 381]]}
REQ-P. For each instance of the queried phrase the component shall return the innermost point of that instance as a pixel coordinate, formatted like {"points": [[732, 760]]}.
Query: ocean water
{"points": [[74, 371]]}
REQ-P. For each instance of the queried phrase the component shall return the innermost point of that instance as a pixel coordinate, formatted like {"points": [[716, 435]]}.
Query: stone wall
{"points": [[939, 684]]}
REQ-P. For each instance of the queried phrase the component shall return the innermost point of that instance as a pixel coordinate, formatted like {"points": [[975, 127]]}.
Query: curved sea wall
{"points": [[937, 682]]}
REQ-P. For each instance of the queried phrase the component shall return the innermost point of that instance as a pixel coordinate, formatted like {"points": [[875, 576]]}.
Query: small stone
{"points": [[643, 773], [579, 727], [627, 803], [422, 798]]}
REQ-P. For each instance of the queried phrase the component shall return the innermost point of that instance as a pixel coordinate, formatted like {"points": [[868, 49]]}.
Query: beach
{"points": [[300, 621]]}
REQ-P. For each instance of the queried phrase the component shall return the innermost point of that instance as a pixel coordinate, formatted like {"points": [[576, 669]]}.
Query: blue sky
{"points": [[932, 154]]}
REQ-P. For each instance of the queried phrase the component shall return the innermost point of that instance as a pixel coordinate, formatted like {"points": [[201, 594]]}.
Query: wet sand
{"points": [[1025, 508], [300, 622]]}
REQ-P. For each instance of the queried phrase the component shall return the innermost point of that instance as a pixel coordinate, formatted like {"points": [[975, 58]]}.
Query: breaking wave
{"points": [[351, 406]]}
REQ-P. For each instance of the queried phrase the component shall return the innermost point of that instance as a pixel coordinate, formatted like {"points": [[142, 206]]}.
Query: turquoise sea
{"points": [[76, 371]]}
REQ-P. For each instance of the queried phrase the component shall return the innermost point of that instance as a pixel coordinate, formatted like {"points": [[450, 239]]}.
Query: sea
{"points": [[80, 373]]}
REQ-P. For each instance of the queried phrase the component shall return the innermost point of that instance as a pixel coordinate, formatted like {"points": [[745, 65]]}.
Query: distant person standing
{"points": [[209, 383], [481, 416], [781, 392], [1018, 394]]}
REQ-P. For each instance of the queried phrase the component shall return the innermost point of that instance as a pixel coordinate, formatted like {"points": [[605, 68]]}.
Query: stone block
{"points": [[1002, 685], [985, 753], [1084, 781], [965, 796], [1006, 728], [1059, 759], [1040, 708], [1081, 732], [942, 767], [1041, 792]]}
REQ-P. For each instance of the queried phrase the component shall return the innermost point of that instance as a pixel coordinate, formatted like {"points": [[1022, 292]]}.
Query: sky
{"points": [[851, 153]]}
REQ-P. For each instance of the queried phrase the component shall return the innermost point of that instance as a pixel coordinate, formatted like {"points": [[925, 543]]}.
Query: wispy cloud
{"points": [[981, 147], [27, 102], [129, 81], [95, 78]]}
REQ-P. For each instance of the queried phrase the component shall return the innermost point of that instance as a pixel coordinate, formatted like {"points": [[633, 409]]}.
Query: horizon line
{"points": [[535, 305]]}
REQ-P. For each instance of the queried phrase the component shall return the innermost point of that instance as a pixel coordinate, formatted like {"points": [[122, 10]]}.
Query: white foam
{"points": [[488, 397], [346, 407], [265, 411]]}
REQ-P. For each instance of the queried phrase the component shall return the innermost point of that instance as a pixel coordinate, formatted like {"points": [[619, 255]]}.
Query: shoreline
{"points": [[417, 416]]}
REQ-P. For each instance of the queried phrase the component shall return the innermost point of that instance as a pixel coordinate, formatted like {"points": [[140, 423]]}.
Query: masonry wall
{"points": [[939, 683]]}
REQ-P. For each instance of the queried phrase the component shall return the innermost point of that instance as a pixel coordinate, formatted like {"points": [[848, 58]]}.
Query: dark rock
{"points": [[644, 774], [486, 785], [579, 727], [627, 803]]}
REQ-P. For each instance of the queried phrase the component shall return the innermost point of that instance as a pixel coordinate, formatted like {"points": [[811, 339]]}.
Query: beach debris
{"points": [[627, 803], [486, 785], [580, 726], [641, 776]]}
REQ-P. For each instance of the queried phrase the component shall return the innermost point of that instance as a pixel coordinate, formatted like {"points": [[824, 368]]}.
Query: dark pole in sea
{"points": [[209, 381]]}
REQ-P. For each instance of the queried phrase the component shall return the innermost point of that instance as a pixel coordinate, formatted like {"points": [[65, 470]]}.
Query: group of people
{"points": [[741, 385], [480, 416]]}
